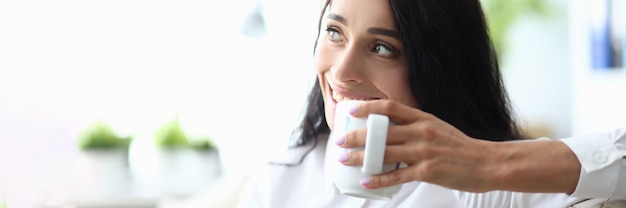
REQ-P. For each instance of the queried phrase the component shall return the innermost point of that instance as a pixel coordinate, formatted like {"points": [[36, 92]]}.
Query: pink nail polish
{"points": [[354, 109], [343, 157], [365, 181], [340, 140]]}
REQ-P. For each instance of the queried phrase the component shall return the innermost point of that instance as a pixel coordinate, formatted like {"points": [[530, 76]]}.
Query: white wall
{"points": [[537, 71], [136, 64], [597, 95], [550, 80]]}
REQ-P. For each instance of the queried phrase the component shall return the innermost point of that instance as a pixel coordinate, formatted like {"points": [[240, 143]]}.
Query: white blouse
{"points": [[308, 184], [603, 172]]}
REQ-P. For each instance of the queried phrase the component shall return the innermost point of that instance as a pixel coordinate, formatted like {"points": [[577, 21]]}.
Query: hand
{"points": [[435, 151]]}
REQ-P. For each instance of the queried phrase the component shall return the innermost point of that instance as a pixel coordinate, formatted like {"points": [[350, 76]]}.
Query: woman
{"points": [[425, 64]]}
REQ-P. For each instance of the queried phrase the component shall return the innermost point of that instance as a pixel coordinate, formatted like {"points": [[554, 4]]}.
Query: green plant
{"points": [[202, 144], [501, 14], [100, 136], [171, 135]]}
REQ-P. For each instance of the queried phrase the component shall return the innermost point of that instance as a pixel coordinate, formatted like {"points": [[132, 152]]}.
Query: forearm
{"points": [[535, 166]]}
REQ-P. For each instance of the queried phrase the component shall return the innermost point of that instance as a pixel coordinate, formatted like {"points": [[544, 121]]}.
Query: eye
{"points": [[384, 50], [333, 34]]}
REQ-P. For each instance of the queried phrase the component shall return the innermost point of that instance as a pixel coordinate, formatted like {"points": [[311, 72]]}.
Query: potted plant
{"points": [[102, 165], [100, 136], [185, 163], [171, 136]]}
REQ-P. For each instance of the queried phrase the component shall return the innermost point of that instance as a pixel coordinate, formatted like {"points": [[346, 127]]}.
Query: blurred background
{"points": [[136, 103]]}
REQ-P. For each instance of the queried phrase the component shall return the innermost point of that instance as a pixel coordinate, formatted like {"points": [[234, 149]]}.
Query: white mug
{"points": [[347, 178]]}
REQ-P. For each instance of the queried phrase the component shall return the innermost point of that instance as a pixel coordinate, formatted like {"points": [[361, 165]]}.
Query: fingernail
{"points": [[343, 157], [365, 181], [340, 140], [354, 109]]}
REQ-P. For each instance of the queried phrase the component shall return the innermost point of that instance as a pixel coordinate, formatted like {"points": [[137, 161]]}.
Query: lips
{"points": [[341, 95], [338, 97]]}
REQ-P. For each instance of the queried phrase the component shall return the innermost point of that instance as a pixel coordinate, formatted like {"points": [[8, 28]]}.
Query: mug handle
{"points": [[375, 143]]}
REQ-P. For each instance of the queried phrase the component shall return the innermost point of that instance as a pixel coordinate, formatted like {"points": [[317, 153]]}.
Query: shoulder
{"points": [[282, 175], [292, 161], [296, 156]]}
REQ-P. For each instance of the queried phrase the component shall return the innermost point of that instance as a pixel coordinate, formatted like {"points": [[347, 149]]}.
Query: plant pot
{"points": [[101, 172], [183, 171]]}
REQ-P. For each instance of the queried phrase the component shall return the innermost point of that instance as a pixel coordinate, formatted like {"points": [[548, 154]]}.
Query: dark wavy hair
{"points": [[453, 70]]}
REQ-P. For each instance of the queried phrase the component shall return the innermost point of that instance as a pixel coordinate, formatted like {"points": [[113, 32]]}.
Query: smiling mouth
{"points": [[338, 97]]}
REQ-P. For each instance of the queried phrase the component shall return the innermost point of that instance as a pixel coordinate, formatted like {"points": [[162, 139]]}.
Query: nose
{"points": [[349, 66]]}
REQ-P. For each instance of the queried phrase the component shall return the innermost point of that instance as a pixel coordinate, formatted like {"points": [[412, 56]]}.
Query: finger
{"points": [[397, 112], [399, 176], [408, 154], [355, 138], [393, 154], [400, 134], [351, 158], [397, 134]]}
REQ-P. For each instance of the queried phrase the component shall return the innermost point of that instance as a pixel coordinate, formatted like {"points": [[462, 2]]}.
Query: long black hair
{"points": [[453, 70]]}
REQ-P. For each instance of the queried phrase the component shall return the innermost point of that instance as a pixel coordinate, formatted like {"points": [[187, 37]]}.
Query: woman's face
{"points": [[359, 55]]}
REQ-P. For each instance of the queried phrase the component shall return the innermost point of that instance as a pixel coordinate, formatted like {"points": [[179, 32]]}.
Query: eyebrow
{"points": [[337, 18], [373, 30], [383, 31]]}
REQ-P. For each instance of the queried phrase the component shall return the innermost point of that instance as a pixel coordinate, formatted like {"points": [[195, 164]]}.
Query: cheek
{"points": [[398, 89], [322, 58], [323, 63], [409, 99], [406, 95]]}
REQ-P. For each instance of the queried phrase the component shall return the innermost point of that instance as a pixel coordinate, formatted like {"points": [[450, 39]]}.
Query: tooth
{"points": [[339, 97]]}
